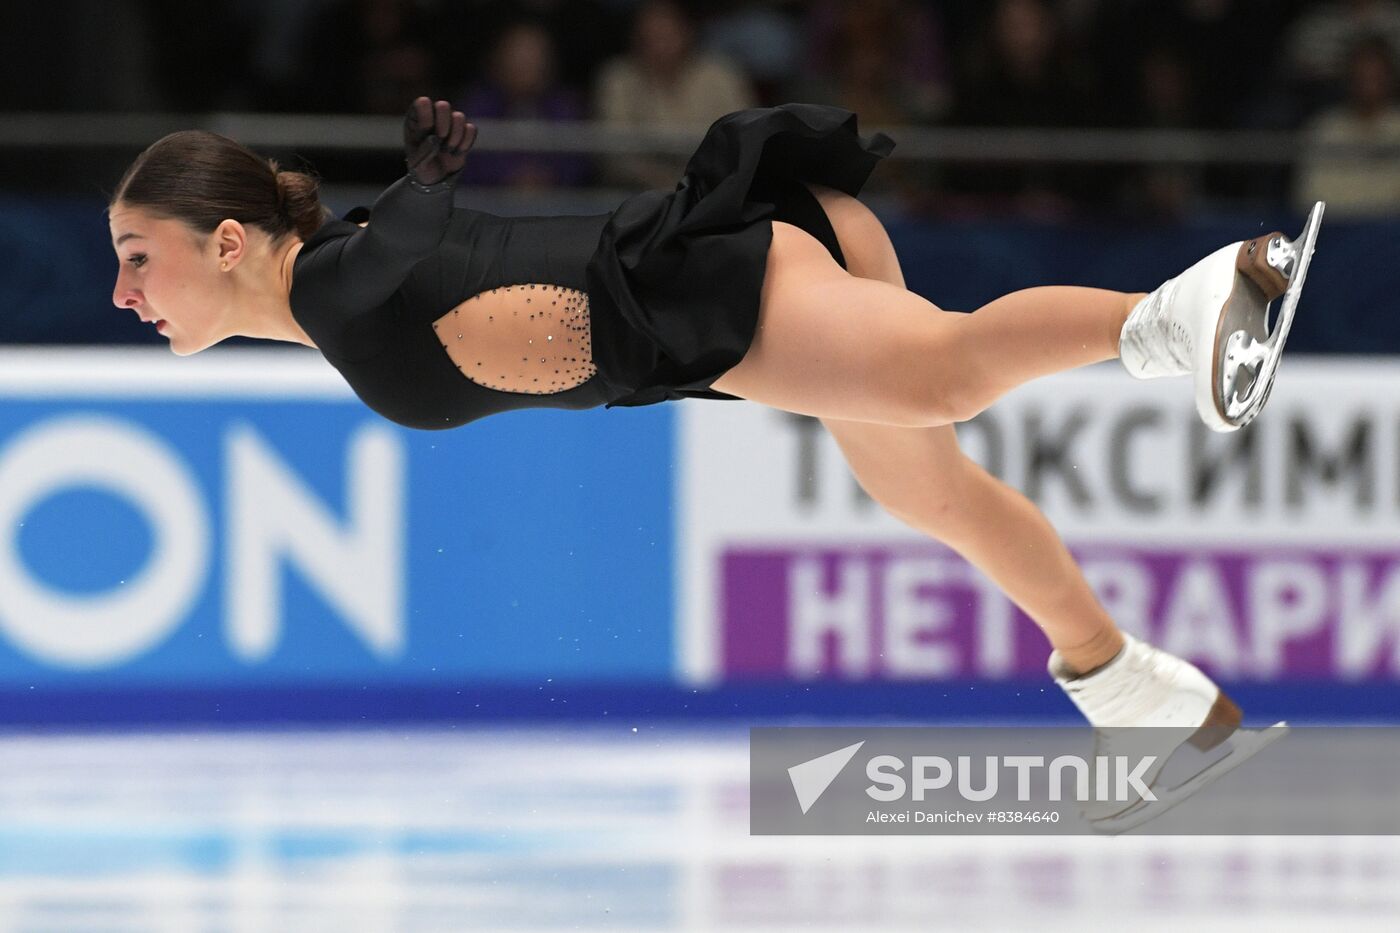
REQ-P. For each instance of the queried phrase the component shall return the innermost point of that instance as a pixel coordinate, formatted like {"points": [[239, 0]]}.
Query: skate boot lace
{"points": [[1157, 336]]}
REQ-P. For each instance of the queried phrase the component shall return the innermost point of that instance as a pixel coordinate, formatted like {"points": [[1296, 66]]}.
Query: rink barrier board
{"points": [[640, 706], [582, 622]]}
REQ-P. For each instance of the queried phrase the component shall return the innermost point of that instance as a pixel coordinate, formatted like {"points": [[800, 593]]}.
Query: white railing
{"points": [[320, 132]]}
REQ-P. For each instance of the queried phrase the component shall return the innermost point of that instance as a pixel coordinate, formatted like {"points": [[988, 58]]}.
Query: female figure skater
{"points": [[761, 277]]}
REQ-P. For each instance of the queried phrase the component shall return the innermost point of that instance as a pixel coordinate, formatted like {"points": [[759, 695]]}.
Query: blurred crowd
{"points": [[1327, 69]]}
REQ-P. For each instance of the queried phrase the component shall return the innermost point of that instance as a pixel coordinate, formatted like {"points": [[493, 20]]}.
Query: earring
{"points": [[224, 267]]}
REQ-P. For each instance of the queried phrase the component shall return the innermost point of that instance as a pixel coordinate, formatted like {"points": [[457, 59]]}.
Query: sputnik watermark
{"points": [[1117, 778], [892, 780]]}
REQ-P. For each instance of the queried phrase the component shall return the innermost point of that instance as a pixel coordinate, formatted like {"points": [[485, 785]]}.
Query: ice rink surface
{"points": [[641, 827]]}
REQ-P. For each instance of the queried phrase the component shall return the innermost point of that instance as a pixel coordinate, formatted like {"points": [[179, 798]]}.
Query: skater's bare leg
{"points": [[921, 476], [1005, 536], [832, 344]]}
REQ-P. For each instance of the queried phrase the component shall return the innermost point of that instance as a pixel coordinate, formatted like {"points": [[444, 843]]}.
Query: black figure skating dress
{"points": [[652, 302]]}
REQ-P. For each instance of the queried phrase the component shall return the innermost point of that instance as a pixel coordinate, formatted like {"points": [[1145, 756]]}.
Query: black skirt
{"points": [[675, 282]]}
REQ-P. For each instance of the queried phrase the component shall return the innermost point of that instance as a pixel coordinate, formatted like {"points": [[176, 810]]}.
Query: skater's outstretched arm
{"points": [[361, 270]]}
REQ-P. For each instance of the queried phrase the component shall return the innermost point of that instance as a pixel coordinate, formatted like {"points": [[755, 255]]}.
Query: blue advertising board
{"points": [[243, 520]]}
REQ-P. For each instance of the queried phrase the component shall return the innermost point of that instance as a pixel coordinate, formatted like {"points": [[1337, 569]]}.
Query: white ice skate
{"points": [[1212, 321], [1148, 702]]}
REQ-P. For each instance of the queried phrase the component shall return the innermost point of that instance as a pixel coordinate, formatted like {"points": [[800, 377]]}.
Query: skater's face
{"points": [[173, 278]]}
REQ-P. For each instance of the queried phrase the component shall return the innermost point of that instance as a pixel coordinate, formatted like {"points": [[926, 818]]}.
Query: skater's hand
{"points": [[435, 140]]}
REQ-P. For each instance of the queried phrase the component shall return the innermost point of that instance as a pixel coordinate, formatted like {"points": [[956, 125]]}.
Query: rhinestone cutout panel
{"points": [[521, 338]]}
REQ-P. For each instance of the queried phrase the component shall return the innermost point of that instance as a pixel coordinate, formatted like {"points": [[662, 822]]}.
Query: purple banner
{"points": [[900, 613]]}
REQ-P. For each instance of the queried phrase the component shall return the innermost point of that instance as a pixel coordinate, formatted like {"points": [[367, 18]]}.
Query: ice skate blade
{"points": [[1244, 745], [1245, 357]]}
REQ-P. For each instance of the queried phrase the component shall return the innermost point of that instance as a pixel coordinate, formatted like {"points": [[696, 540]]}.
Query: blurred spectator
{"points": [[665, 82], [1166, 95], [884, 59], [1163, 97], [1364, 183], [272, 58], [1022, 72], [1231, 54], [585, 33], [363, 56], [761, 38], [1321, 39], [522, 85]]}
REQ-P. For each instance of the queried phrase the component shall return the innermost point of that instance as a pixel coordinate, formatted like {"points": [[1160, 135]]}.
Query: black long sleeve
{"points": [[359, 272]]}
